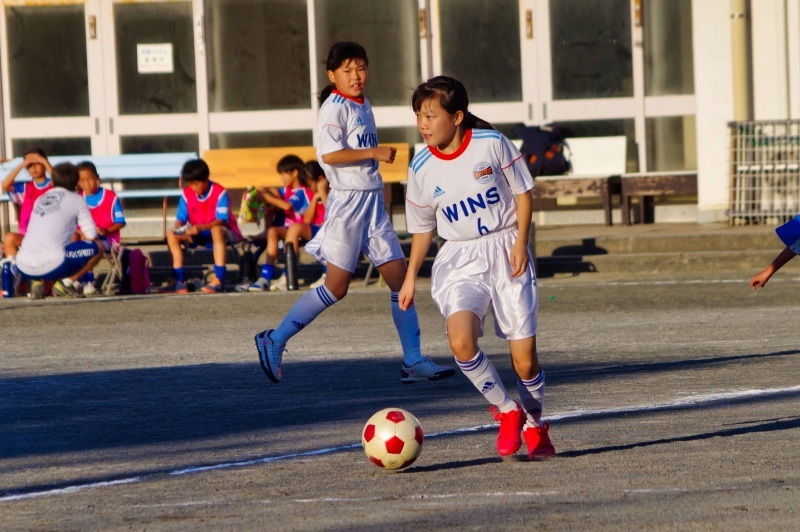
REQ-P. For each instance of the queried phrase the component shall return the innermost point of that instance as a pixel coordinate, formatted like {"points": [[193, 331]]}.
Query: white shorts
{"points": [[475, 274], [355, 223]]}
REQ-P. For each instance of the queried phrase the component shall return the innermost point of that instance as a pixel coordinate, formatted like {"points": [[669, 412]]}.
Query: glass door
{"points": [[103, 77], [621, 67], [52, 75], [155, 75], [490, 46]]}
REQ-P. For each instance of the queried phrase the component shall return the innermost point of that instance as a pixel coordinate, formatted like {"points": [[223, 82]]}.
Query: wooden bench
{"points": [[597, 163], [240, 168], [116, 171], [649, 185]]}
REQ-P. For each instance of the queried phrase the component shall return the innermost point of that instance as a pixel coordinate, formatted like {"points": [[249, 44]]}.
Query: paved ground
{"points": [[673, 401]]}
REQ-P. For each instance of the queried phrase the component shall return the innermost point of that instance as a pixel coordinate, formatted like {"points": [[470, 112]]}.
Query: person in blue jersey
{"points": [[789, 233], [356, 221], [472, 186]]}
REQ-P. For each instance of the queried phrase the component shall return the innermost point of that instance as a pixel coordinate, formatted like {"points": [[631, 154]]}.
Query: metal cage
{"points": [[765, 172]]}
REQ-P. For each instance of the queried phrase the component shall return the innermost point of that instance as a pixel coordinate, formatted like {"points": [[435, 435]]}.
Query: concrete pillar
{"points": [[713, 78]]}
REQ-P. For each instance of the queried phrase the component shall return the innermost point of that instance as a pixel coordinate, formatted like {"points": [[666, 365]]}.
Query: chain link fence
{"points": [[765, 172]]}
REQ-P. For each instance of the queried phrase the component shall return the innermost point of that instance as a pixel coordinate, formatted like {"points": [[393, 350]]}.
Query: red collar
{"points": [[459, 151], [343, 95]]}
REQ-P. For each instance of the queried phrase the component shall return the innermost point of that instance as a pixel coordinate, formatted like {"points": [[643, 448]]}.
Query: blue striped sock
{"points": [[303, 312]]}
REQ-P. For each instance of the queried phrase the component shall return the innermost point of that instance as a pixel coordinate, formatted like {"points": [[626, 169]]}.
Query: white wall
{"points": [[770, 75], [714, 95]]}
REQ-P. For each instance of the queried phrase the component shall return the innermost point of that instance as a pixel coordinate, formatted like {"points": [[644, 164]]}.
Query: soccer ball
{"points": [[392, 438]]}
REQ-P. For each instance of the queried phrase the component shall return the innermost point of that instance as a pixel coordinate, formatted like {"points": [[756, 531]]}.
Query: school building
{"points": [[107, 77]]}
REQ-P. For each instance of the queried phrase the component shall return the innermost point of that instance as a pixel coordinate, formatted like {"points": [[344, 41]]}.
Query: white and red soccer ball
{"points": [[392, 438]]}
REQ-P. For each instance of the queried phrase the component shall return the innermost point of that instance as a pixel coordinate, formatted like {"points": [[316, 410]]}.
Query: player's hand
{"points": [[192, 231], [385, 154], [101, 231], [405, 297], [759, 280], [518, 259]]}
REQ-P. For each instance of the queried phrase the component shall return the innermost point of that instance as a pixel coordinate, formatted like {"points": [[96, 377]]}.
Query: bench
{"points": [[646, 186], [241, 168], [118, 170], [597, 163]]}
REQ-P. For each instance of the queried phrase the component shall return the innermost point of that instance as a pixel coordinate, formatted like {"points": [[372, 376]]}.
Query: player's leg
{"points": [[11, 243], [384, 251], [219, 236], [531, 385], [339, 246], [79, 258], [274, 235], [463, 330], [415, 366], [271, 344], [174, 244]]}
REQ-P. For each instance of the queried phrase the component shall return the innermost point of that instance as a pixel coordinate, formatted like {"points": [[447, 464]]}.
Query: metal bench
{"points": [[115, 172]]}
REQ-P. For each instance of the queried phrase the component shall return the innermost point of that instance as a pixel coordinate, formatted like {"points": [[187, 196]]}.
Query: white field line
{"points": [[695, 400]]}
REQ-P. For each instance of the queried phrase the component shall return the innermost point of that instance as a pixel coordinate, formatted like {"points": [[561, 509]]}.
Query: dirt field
{"points": [[673, 402]]}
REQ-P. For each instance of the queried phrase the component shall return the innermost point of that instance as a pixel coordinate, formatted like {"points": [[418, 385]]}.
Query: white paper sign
{"points": [[154, 58]]}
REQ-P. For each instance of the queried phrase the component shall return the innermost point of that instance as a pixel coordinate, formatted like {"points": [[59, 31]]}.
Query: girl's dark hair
{"points": [[452, 96], [290, 163], [339, 54], [195, 170], [88, 165], [65, 175], [313, 171]]}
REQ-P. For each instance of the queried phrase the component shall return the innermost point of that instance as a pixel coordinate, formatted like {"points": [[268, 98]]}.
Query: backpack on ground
{"points": [[545, 149], [135, 272]]}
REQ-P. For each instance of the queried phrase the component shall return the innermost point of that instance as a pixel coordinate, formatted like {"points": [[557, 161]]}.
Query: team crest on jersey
{"points": [[483, 173], [49, 203]]}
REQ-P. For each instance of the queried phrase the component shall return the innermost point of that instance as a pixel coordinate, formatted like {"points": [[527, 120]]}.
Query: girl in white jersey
{"points": [[355, 220], [471, 185]]}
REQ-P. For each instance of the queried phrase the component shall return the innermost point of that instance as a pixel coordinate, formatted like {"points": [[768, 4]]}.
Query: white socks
{"points": [[531, 393], [303, 312], [407, 324], [481, 372]]}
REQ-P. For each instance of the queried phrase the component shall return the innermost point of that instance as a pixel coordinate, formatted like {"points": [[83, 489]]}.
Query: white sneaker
{"points": [[90, 290], [279, 285], [319, 282], [260, 285], [78, 286], [244, 286], [424, 370]]}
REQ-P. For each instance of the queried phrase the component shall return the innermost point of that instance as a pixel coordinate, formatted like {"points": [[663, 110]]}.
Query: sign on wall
{"points": [[154, 58]]}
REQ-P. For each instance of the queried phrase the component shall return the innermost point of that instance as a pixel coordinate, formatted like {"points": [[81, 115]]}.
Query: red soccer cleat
{"points": [[508, 438], [539, 445]]}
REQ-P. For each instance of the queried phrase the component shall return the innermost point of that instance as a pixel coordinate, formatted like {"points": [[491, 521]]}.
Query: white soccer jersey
{"points": [[345, 122], [56, 215], [469, 193]]}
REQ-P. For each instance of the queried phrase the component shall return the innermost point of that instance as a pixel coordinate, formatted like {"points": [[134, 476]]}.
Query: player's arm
{"points": [[311, 210], [349, 155], [519, 251], [760, 279], [8, 180], [420, 243], [111, 228], [274, 200]]}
